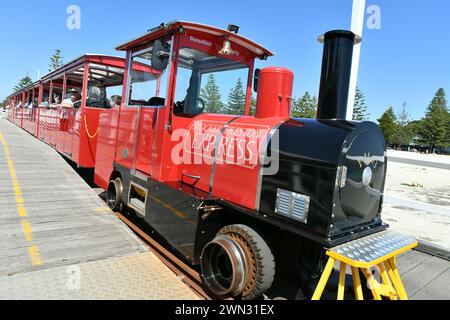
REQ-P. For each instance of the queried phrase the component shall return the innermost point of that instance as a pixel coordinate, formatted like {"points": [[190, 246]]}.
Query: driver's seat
{"points": [[156, 102], [190, 102], [94, 96]]}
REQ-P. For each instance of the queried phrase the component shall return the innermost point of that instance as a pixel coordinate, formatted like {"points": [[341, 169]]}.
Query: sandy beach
{"points": [[426, 185]]}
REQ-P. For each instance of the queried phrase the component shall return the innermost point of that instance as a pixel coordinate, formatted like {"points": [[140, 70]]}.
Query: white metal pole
{"points": [[38, 73], [358, 14]]}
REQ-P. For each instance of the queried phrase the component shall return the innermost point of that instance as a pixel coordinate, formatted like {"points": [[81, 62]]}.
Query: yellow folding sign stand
{"points": [[378, 250]]}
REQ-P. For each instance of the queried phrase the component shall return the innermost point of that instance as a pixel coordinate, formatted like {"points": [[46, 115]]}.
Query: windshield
{"points": [[209, 84]]}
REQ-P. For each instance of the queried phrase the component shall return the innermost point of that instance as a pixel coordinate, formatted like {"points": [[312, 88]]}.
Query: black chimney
{"points": [[336, 71]]}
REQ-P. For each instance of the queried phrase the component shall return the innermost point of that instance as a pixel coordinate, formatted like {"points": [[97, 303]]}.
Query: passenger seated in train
{"points": [[45, 101], [75, 97], [57, 99]]}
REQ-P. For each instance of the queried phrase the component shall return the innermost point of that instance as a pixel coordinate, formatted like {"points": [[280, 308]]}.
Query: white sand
{"points": [[434, 190], [434, 229], [434, 183]]}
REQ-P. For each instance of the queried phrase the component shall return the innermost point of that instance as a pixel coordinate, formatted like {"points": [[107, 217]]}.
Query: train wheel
{"points": [[238, 263], [114, 195]]}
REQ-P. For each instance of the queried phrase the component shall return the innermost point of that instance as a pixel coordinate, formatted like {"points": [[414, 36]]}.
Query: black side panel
{"points": [[174, 215], [309, 153], [170, 210]]}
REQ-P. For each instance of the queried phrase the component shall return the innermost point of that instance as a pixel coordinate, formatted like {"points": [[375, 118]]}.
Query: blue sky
{"points": [[406, 61]]}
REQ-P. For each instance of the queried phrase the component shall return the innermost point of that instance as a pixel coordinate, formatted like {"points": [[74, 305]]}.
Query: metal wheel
{"points": [[238, 263], [114, 194]]}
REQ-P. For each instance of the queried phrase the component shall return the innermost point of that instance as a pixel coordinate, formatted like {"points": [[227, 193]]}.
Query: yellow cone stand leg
{"points": [[341, 288], [373, 284], [324, 279], [387, 281], [357, 284], [396, 280]]}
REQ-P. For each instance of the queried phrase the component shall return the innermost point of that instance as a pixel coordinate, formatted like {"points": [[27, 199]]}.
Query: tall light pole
{"points": [[358, 14]]}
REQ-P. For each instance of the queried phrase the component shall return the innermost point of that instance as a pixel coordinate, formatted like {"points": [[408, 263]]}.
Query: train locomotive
{"points": [[245, 197]]}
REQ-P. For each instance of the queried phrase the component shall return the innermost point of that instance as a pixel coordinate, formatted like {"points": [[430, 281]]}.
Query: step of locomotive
{"points": [[66, 228], [138, 205]]}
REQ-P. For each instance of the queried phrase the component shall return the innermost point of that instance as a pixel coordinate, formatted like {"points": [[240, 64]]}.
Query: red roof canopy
{"points": [[164, 29]]}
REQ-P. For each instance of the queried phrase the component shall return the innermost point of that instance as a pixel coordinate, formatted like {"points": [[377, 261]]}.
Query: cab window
{"points": [[147, 86], [209, 84]]}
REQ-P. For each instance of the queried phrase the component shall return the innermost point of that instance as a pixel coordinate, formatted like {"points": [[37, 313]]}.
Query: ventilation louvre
{"points": [[292, 205]]}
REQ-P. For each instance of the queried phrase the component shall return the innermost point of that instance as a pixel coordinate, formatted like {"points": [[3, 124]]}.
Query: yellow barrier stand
{"points": [[378, 250]]}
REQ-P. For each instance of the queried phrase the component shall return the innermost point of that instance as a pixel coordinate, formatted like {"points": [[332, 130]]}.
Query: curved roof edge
{"points": [[64, 68], [163, 29]]}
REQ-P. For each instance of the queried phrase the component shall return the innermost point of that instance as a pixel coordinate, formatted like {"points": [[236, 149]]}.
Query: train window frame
{"points": [[56, 88], [99, 77], [78, 73], [203, 76], [164, 78]]}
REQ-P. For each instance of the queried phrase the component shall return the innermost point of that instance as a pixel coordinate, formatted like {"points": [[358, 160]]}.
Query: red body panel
{"points": [[236, 178], [42, 113], [146, 140], [88, 137], [126, 136], [106, 146]]}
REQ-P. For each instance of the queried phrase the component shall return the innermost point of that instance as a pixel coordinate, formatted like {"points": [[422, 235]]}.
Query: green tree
{"points": [[3, 104], [404, 132], [253, 106], [24, 82], [211, 95], [56, 61], [414, 128], [360, 109], [236, 99], [434, 127], [388, 125], [305, 107]]}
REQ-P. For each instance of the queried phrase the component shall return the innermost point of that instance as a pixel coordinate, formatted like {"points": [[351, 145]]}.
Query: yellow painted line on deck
{"points": [[33, 250], [27, 230]]}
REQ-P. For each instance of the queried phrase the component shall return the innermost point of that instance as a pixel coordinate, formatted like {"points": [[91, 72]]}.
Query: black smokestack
{"points": [[336, 71]]}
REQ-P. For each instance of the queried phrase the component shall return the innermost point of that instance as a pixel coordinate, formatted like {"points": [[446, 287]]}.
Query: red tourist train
{"points": [[239, 189]]}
